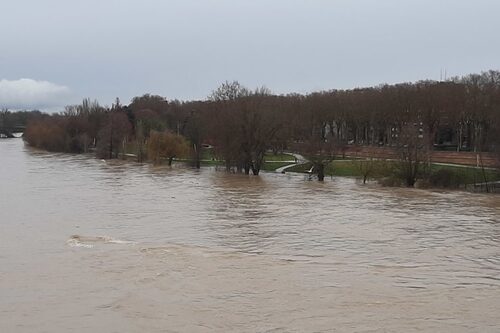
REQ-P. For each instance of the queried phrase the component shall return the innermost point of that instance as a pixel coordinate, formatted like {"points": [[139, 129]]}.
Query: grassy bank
{"points": [[208, 158], [439, 175], [447, 176], [278, 158]]}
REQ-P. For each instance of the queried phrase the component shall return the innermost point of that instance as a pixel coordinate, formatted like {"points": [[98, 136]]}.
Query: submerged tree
{"points": [[113, 136], [413, 150], [195, 131], [244, 125], [259, 126], [241, 124], [367, 168], [320, 151], [166, 145]]}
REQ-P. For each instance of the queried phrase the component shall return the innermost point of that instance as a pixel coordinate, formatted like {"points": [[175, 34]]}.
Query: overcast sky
{"points": [[55, 52]]}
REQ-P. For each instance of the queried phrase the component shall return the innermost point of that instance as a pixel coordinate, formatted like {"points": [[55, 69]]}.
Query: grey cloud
{"points": [[186, 48], [32, 94]]}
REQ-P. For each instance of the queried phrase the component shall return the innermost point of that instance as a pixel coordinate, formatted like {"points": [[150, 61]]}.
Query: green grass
{"points": [[341, 168], [300, 168], [346, 168], [278, 157], [468, 175], [354, 168], [272, 166], [207, 154], [210, 162]]}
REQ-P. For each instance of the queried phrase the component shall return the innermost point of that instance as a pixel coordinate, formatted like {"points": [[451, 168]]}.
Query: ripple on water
{"points": [[156, 248]]}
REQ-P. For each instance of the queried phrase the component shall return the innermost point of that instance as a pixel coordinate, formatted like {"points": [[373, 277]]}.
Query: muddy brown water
{"points": [[94, 246]]}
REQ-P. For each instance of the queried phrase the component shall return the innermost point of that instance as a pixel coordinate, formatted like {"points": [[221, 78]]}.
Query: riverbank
{"points": [[440, 175]]}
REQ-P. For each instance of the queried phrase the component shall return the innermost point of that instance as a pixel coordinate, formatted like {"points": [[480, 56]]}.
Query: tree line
{"points": [[462, 113]]}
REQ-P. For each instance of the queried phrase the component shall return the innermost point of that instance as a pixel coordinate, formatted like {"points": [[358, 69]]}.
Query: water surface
{"points": [[108, 246]]}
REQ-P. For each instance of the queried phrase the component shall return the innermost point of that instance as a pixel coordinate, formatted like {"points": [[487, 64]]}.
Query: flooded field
{"points": [[108, 246]]}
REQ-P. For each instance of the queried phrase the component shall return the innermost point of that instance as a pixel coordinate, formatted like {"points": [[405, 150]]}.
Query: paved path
{"points": [[300, 160], [462, 166]]}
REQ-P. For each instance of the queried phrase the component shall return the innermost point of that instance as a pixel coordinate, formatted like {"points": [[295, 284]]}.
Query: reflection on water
{"points": [[91, 245]]}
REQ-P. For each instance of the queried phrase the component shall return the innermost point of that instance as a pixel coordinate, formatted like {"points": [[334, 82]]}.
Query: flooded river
{"points": [[94, 246]]}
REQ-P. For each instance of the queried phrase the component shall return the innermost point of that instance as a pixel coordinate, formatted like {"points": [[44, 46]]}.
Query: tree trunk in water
{"points": [[170, 159], [410, 182], [320, 171], [256, 167], [197, 163], [110, 149], [124, 142]]}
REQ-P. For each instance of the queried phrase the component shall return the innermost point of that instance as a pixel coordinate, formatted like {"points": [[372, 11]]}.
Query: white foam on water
{"points": [[72, 242], [91, 241]]}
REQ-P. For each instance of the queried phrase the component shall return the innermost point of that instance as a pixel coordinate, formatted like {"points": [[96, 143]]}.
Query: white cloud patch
{"points": [[32, 94]]}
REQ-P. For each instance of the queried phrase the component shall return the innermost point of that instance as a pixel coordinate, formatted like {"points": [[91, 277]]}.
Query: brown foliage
{"points": [[242, 124], [47, 133], [112, 137], [166, 145]]}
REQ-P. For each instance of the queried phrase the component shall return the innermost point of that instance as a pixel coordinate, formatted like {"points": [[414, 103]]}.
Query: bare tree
{"points": [[367, 168], [112, 137], [320, 152], [412, 151], [228, 91]]}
